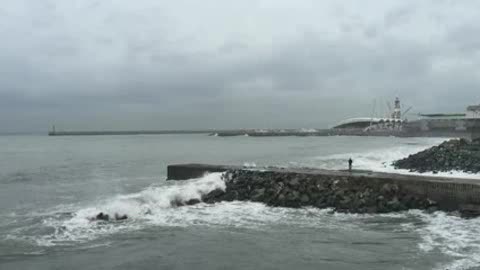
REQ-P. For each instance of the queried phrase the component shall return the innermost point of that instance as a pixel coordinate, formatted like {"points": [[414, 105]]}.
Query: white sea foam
{"points": [[453, 236], [249, 165], [458, 239]]}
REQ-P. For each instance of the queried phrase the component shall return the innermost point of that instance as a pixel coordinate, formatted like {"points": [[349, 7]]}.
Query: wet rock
{"points": [[258, 195], [214, 196], [280, 200], [304, 199], [321, 203], [231, 196], [292, 195], [461, 155], [102, 216], [389, 189], [105, 217], [469, 211], [395, 205], [192, 202], [294, 182]]}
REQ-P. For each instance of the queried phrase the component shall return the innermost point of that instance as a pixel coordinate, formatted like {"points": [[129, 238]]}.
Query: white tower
{"points": [[397, 113]]}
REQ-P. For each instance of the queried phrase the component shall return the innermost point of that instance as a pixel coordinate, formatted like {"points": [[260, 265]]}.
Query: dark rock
{"points": [[451, 155], [102, 216], [389, 189], [395, 205], [280, 201], [230, 196], [469, 211], [192, 202], [294, 195], [258, 195], [294, 182], [321, 203], [214, 196], [304, 199], [105, 217]]}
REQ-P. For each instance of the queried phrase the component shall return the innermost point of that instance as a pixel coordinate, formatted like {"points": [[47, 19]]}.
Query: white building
{"points": [[473, 111]]}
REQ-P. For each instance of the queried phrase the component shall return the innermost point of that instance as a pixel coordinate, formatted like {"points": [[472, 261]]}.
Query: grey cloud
{"points": [[465, 37], [125, 65], [398, 15]]}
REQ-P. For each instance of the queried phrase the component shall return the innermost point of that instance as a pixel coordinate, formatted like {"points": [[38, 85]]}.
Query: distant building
{"points": [[397, 113], [393, 121], [449, 125], [473, 111]]}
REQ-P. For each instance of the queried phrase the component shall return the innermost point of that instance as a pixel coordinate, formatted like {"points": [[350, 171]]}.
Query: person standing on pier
{"points": [[350, 162]]}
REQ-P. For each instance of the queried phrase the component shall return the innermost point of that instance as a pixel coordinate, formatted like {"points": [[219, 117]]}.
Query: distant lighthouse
{"points": [[397, 113]]}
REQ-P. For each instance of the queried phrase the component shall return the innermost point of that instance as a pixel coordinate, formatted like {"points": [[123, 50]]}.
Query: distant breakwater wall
{"points": [[212, 132], [463, 128], [352, 192], [150, 132], [127, 132]]}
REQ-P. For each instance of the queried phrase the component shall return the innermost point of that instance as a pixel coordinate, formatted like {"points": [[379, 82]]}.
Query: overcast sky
{"points": [[158, 64]]}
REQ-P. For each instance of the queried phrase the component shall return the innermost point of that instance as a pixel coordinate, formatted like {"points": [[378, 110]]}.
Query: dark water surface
{"points": [[50, 186]]}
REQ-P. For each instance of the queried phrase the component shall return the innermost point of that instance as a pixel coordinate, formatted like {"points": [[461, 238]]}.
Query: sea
{"points": [[50, 187]]}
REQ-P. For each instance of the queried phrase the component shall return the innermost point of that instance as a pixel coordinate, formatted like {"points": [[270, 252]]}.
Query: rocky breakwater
{"points": [[342, 193], [452, 155]]}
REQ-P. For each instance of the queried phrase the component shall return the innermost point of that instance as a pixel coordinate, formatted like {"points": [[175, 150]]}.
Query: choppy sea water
{"points": [[50, 186]]}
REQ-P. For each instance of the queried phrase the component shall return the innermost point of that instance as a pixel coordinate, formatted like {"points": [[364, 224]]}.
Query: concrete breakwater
{"points": [[352, 192]]}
